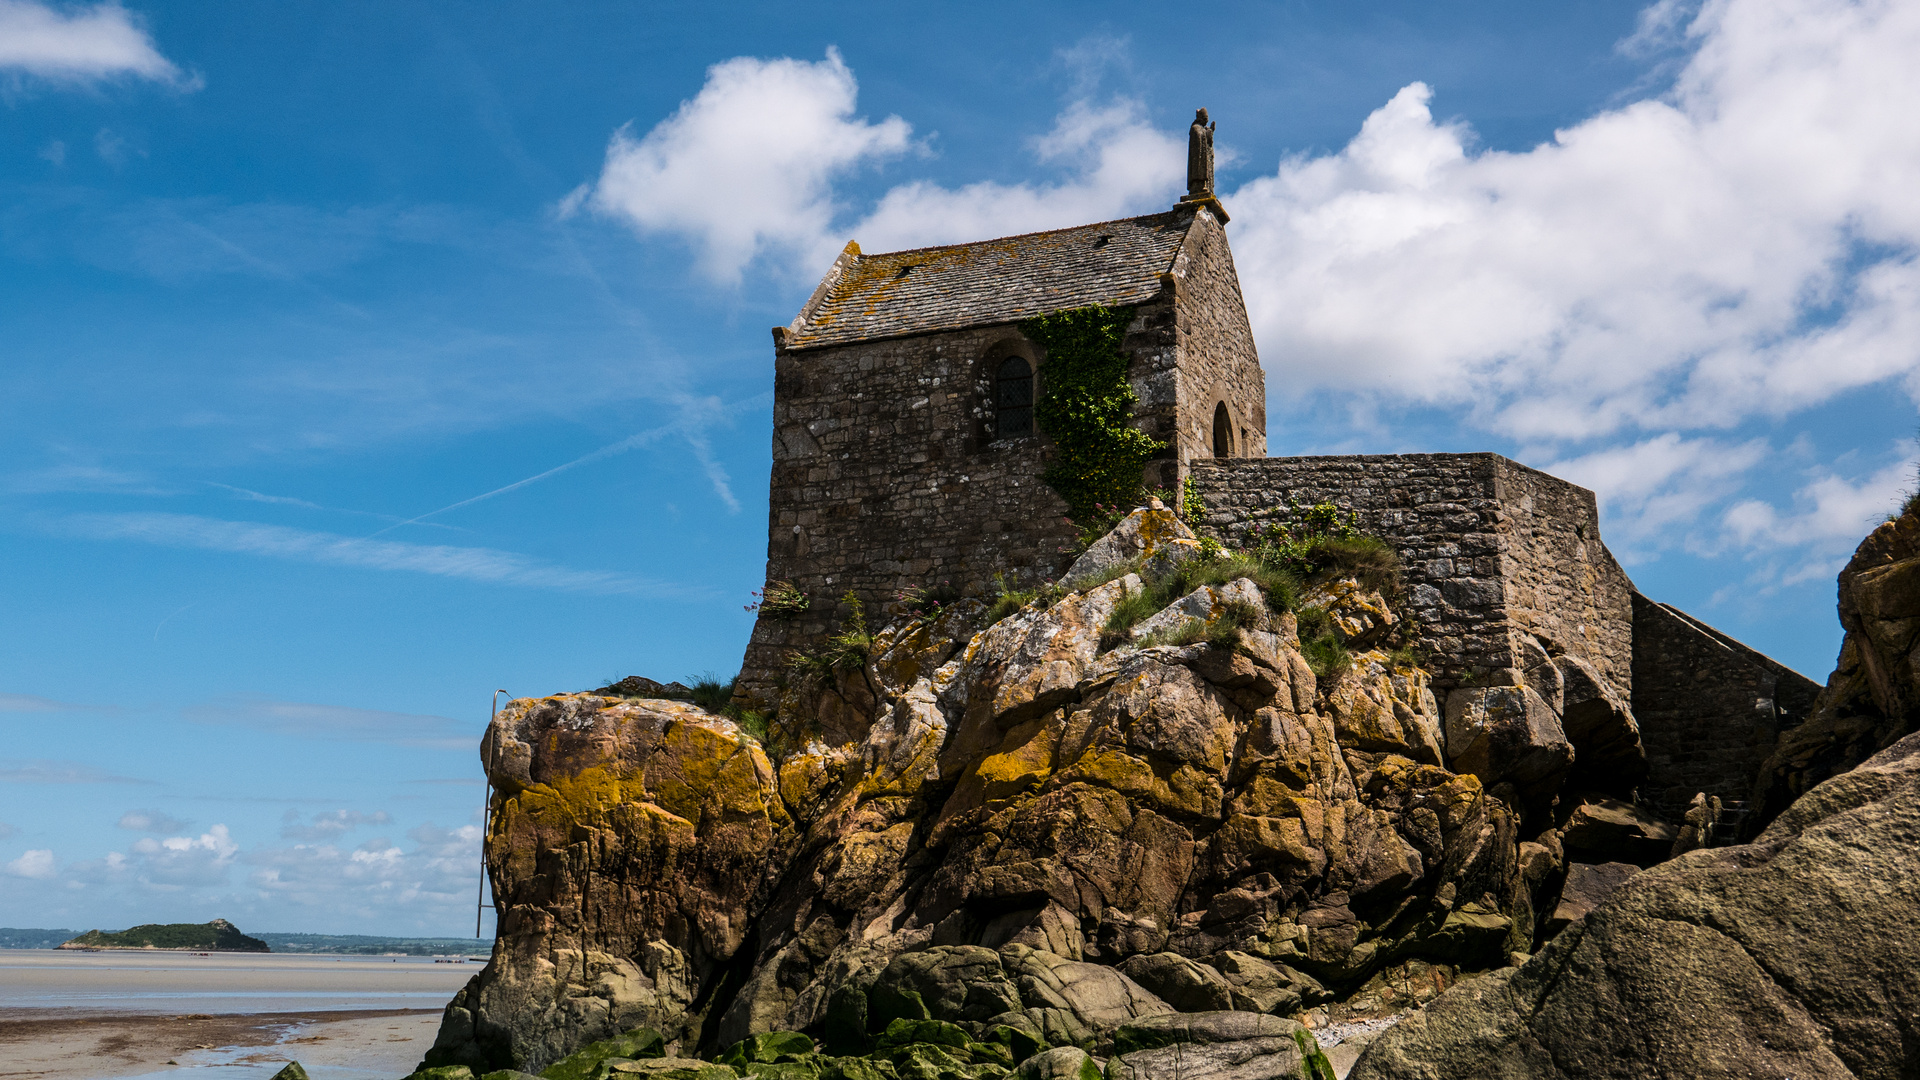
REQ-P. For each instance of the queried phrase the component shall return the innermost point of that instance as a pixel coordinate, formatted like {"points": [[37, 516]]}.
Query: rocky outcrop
{"points": [[1873, 696], [1791, 956], [630, 842], [216, 936], [1020, 827]]}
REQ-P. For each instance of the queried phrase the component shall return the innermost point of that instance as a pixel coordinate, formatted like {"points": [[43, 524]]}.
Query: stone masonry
{"points": [[1494, 552], [1710, 709], [888, 472]]}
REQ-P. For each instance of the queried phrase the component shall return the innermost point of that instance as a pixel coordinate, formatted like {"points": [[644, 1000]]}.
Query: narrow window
{"points": [[1013, 399], [1222, 431]]}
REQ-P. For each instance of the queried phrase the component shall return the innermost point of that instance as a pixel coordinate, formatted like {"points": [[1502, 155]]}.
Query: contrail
{"points": [[629, 443]]}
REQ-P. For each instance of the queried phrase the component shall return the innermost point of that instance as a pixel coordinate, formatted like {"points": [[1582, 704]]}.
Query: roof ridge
{"points": [[1189, 210]]}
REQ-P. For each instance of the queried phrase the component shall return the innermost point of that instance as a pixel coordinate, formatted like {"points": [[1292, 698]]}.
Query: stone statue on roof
{"points": [[1200, 156]]}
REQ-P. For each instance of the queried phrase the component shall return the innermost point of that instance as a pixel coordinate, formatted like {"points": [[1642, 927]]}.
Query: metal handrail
{"points": [[486, 822]]}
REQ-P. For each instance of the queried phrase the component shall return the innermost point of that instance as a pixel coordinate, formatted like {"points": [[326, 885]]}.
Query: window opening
{"points": [[1222, 431], [1013, 399]]}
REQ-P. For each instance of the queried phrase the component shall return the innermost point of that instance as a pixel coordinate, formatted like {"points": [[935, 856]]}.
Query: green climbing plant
{"points": [[1088, 410], [1193, 509]]}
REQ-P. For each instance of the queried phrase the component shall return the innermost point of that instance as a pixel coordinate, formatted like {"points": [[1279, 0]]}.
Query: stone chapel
{"points": [[905, 455], [905, 451]]}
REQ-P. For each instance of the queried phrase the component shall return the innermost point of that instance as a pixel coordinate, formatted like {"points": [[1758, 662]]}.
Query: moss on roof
{"points": [[994, 281]]}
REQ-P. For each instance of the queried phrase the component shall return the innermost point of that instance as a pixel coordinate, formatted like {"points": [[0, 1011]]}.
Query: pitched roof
{"points": [[991, 281]]}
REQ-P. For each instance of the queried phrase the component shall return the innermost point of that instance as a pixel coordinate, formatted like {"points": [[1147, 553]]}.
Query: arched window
{"points": [[1013, 399], [1222, 431]]}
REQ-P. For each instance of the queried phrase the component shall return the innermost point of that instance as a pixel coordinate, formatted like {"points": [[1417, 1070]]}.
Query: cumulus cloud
{"points": [[440, 869], [1631, 301], [36, 864], [81, 45], [746, 169], [1655, 488], [165, 864], [1829, 511], [1742, 246], [1118, 164], [181, 861], [747, 165], [154, 821]]}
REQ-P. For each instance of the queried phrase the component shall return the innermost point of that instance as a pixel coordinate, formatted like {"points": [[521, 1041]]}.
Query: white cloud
{"points": [[1655, 492], [1829, 508], [181, 861], [166, 864], [441, 869], [1118, 164], [1743, 247], [73, 478], [47, 771], [31, 703], [483, 565], [746, 166], [155, 821], [82, 45], [36, 864], [336, 722], [329, 823], [746, 170]]}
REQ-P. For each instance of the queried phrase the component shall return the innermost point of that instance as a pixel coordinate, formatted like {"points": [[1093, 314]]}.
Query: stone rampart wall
{"points": [[1491, 549], [1710, 709], [1562, 584]]}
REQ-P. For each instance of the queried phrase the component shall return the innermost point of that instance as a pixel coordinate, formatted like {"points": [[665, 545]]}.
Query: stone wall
{"points": [[1710, 709], [887, 472], [1218, 362], [1492, 550]]}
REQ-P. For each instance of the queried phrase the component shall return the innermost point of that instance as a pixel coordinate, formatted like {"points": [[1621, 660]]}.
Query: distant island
{"points": [[216, 936], [14, 937]]}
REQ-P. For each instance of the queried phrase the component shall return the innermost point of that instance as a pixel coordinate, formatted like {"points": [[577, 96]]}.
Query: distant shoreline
{"points": [[279, 942], [71, 947]]}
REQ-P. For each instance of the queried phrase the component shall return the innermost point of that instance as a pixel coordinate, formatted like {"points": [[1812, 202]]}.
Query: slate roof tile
{"points": [[994, 281]]}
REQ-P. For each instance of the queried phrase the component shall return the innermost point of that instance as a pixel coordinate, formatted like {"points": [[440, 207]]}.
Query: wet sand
{"points": [[38, 1044], [235, 1016]]}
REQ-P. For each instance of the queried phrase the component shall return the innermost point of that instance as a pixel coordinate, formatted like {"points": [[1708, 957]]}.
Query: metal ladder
{"points": [[1733, 817]]}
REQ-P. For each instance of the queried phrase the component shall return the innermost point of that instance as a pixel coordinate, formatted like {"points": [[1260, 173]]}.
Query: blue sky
{"points": [[293, 296]]}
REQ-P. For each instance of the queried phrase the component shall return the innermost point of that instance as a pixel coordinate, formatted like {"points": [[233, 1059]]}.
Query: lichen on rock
{"points": [[1023, 835]]}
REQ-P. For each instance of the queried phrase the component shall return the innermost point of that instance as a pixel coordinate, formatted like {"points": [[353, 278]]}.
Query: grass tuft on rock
{"points": [[711, 694]]}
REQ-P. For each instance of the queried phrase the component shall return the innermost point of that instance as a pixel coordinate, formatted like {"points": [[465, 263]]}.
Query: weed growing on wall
{"points": [[780, 599], [1193, 509], [1087, 409], [846, 649]]}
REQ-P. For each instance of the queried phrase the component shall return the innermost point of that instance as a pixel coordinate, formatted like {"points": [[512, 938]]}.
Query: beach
{"points": [[239, 1016]]}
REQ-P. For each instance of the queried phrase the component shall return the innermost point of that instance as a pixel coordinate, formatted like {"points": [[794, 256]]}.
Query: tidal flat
{"points": [[68, 1015]]}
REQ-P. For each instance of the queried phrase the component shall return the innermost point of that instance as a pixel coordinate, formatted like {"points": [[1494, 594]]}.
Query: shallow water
{"points": [[167, 982], [104, 985]]}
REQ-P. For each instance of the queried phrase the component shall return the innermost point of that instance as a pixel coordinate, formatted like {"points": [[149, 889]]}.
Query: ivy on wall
{"points": [[1087, 409]]}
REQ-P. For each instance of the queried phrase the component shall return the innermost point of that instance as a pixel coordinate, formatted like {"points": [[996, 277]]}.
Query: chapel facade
{"points": [[905, 451]]}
